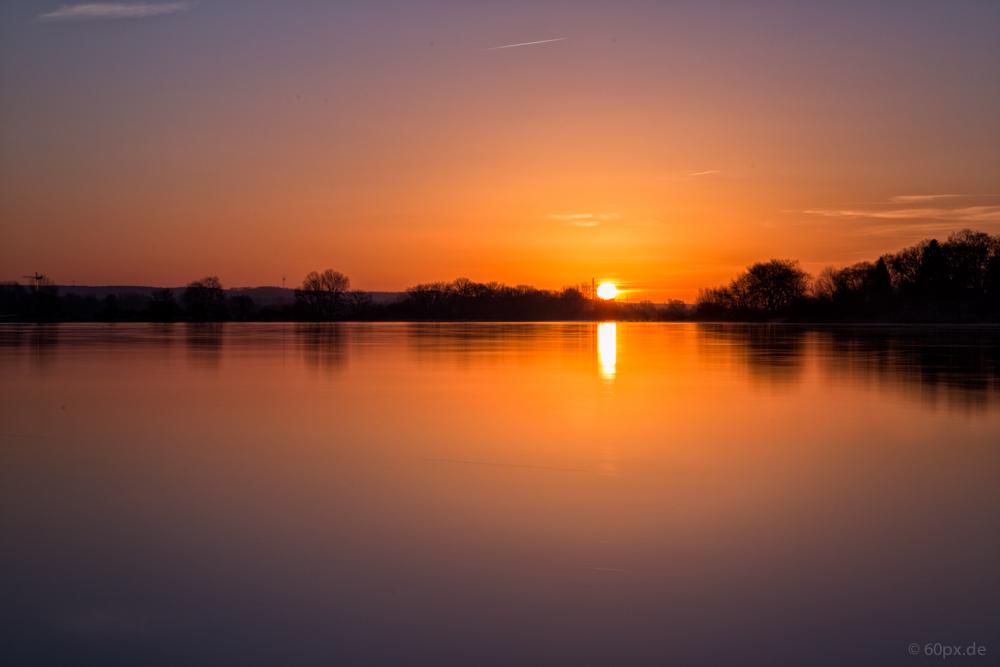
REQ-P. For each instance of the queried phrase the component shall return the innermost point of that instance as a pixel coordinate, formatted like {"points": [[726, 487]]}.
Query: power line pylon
{"points": [[37, 278]]}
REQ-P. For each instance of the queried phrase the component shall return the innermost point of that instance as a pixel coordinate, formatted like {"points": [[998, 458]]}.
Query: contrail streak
{"points": [[505, 465], [510, 46]]}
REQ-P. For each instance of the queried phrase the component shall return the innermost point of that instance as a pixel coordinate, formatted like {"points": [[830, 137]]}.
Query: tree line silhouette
{"points": [[954, 281]]}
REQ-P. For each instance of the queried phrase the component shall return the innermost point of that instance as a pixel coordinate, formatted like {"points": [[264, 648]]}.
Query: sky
{"points": [[661, 145]]}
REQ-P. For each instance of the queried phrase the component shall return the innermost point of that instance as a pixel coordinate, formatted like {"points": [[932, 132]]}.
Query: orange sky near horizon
{"points": [[662, 148]]}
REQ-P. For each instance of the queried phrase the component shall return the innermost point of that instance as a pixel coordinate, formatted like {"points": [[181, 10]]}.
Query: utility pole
{"points": [[282, 282], [593, 290]]}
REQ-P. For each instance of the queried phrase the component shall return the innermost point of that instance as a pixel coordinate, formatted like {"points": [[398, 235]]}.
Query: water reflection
{"points": [[324, 346], [449, 492], [41, 340], [607, 349], [204, 345], [774, 353], [960, 366]]}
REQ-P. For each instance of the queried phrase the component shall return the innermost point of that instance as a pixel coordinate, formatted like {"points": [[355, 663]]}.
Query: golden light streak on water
{"points": [[607, 349]]}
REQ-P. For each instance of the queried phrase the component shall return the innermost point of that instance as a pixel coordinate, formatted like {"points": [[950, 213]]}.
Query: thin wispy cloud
{"points": [[113, 10], [583, 219], [964, 214], [689, 175], [888, 228], [916, 210], [572, 216], [511, 46], [916, 198]]}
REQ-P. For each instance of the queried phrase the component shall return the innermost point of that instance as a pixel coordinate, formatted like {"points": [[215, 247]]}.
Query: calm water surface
{"points": [[550, 494]]}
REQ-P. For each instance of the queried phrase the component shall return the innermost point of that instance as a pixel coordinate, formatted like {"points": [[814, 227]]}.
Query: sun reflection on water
{"points": [[607, 349]]}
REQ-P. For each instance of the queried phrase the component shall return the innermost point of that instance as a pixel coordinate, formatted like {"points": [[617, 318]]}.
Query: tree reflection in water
{"points": [[324, 346], [958, 364], [204, 344]]}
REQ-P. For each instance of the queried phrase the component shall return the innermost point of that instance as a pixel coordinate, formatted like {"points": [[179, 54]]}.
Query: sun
{"points": [[607, 291]]}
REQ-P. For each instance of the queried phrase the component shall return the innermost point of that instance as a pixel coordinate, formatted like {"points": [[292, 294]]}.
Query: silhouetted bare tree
{"points": [[162, 306], [764, 289], [204, 300], [242, 307], [429, 299], [321, 293], [862, 290], [13, 299], [676, 309], [969, 255], [358, 302], [645, 311]]}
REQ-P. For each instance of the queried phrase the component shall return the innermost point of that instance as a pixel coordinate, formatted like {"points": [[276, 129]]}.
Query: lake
{"points": [[498, 494]]}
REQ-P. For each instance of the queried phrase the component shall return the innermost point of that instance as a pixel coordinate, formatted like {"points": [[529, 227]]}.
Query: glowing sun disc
{"points": [[607, 291]]}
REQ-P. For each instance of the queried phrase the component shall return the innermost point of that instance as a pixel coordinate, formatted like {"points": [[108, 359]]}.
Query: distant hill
{"points": [[263, 297]]}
